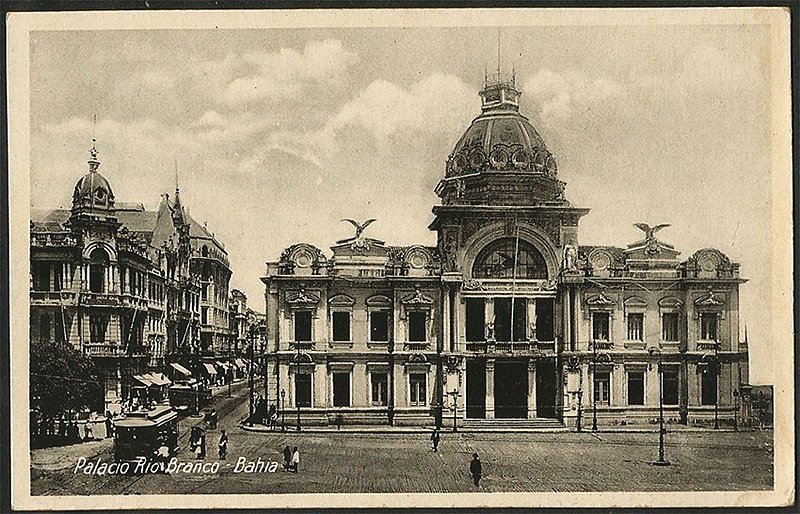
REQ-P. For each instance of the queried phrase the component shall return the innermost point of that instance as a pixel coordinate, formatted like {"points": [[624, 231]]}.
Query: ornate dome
{"points": [[500, 138], [501, 159], [92, 191]]}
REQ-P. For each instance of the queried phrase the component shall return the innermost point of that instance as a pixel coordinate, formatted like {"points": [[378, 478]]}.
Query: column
{"points": [[531, 388], [566, 320], [532, 319], [489, 388], [446, 321]]}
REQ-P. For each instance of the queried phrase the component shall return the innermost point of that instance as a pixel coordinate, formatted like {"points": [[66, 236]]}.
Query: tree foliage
{"points": [[62, 379]]}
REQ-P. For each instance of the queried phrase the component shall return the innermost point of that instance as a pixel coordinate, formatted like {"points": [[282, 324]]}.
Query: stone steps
{"points": [[511, 423]]}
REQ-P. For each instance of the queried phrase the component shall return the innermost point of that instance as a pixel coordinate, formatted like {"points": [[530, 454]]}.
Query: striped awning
{"points": [[158, 379], [143, 379], [210, 369], [181, 369]]}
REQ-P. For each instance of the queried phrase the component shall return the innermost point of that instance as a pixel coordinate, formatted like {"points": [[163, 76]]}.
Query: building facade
{"points": [[508, 317], [117, 282]]}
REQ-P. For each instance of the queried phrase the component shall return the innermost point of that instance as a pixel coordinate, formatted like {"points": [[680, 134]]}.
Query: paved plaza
{"points": [[402, 462]]}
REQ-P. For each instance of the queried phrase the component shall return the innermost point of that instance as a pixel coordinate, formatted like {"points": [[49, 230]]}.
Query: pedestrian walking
{"points": [[88, 431], [109, 425], [435, 438], [223, 445], [475, 469], [295, 460], [287, 458]]}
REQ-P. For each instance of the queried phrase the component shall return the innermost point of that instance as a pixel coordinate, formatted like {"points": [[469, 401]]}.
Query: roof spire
{"points": [[93, 162]]}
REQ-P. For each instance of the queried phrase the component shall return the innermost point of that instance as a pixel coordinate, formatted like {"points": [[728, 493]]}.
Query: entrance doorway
{"points": [[511, 389], [546, 388], [476, 388]]}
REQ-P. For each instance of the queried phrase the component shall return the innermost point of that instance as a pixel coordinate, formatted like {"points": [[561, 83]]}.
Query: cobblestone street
{"points": [[391, 462]]}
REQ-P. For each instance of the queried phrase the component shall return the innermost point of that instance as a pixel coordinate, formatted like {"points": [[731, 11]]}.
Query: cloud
{"points": [[563, 95], [286, 73]]}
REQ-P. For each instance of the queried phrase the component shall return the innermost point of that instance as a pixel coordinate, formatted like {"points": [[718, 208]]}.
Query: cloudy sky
{"points": [[280, 133]]}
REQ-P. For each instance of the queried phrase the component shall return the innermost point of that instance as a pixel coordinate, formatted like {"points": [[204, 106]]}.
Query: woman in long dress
{"points": [[295, 459]]}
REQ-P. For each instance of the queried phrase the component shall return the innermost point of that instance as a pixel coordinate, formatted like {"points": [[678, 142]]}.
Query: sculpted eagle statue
{"points": [[359, 226], [650, 232]]}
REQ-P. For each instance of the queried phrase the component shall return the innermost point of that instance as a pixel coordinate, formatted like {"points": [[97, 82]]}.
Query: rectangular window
{"points": [[602, 381], [341, 389], [302, 388], [669, 326], [635, 326], [44, 327], [708, 326], [545, 307], [41, 277], [380, 383], [417, 326], [502, 319], [379, 326], [670, 387], [600, 326], [341, 326], [417, 384], [708, 387], [635, 388], [97, 328], [302, 326], [476, 319], [204, 316]]}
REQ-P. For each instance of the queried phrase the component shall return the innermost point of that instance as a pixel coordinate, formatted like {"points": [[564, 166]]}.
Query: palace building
{"points": [[138, 291], [508, 319]]}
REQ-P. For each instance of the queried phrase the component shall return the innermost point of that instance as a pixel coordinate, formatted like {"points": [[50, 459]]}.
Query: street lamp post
{"points": [[594, 386], [661, 461], [283, 410], [736, 410], [716, 396], [580, 408], [454, 394], [252, 392]]}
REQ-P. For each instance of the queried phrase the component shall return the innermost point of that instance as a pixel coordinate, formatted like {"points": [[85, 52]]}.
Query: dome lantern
{"points": [[92, 195]]}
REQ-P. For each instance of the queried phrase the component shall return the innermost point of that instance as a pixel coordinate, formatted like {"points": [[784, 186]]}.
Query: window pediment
{"points": [[600, 301], [709, 300], [301, 298], [341, 300], [379, 300], [417, 299]]}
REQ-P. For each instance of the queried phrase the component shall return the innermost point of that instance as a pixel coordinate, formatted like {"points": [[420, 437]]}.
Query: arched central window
{"points": [[97, 270], [498, 260]]}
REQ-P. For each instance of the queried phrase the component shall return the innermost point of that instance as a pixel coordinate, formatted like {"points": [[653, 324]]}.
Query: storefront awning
{"points": [[223, 365], [181, 369], [209, 368], [240, 363], [143, 380], [158, 379]]}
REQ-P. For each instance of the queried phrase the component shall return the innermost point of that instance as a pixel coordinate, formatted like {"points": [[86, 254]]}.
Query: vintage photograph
{"points": [[401, 258]]}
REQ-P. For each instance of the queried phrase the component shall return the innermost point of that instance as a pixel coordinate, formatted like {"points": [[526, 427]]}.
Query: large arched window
{"points": [[497, 260], [98, 262]]}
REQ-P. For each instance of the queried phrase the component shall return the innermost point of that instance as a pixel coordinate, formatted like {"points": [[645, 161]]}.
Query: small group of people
{"points": [[197, 442], [291, 459], [69, 430]]}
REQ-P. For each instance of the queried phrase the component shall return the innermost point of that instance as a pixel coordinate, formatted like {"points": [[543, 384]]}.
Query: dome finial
{"points": [[93, 162]]}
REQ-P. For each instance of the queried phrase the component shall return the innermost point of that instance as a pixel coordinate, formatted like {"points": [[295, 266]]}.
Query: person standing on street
{"points": [[475, 469], [109, 425], [223, 445], [287, 458], [435, 438], [295, 460]]}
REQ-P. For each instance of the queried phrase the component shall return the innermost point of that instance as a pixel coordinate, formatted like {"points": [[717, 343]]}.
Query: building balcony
{"points": [[416, 346], [53, 239], [601, 345], [100, 299], [713, 346], [114, 350], [52, 298], [134, 302], [302, 345]]}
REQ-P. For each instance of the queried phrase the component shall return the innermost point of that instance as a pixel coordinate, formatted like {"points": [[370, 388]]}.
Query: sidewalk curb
{"points": [[470, 430]]}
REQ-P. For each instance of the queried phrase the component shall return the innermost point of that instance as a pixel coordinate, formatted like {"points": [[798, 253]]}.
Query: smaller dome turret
{"points": [[92, 193]]}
